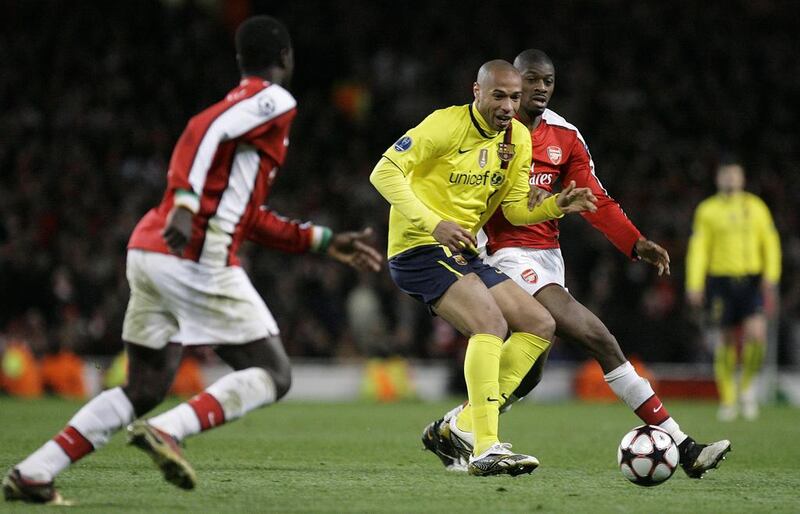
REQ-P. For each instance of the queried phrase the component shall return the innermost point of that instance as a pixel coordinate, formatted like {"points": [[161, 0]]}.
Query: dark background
{"points": [[95, 94]]}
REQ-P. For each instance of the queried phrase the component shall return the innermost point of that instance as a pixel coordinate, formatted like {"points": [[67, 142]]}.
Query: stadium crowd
{"points": [[94, 98]]}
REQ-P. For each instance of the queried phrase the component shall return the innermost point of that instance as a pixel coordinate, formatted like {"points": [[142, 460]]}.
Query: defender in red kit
{"points": [[530, 255], [186, 285]]}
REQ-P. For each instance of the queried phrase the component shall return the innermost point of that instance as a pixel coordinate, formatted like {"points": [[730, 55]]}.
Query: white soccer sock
{"points": [[242, 391], [236, 394], [635, 391], [672, 427], [628, 385], [179, 422], [45, 463], [95, 422]]}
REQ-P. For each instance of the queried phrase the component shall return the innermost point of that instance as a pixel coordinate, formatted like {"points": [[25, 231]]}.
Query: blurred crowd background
{"points": [[94, 95]]}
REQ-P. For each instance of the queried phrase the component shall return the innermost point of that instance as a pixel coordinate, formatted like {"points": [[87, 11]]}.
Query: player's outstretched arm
{"points": [[654, 254], [351, 248]]}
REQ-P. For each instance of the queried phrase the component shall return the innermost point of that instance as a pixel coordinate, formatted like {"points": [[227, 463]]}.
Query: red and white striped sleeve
{"points": [[233, 118], [609, 217], [271, 230]]}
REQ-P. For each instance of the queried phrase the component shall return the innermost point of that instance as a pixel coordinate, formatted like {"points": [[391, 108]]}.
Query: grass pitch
{"points": [[357, 457]]}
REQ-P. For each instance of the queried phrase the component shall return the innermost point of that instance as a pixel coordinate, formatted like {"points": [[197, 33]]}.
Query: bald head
{"points": [[497, 91], [491, 69]]}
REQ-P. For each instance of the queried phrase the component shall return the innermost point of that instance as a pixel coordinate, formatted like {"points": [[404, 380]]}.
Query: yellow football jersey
{"points": [[461, 170], [732, 236]]}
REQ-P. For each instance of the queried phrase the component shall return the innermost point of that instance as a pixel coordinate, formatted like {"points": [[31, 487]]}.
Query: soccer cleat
{"points": [[439, 444], [462, 442], [164, 450], [500, 460], [696, 458], [18, 488]]}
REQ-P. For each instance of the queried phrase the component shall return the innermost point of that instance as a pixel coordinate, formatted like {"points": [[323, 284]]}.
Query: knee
{"points": [[495, 325], [539, 322]]}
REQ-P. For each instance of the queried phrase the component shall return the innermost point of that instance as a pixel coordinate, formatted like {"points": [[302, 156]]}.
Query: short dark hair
{"points": [[532, 56], [260, 41], [728, 158]]}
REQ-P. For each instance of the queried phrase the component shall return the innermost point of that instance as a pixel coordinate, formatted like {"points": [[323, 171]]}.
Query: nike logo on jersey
{"points": [[490, 399], [464, 151], [658, 408]]}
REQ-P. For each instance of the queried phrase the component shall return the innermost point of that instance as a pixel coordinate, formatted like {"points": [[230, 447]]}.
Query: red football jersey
{"points": [[223, 166], [560, 153]]}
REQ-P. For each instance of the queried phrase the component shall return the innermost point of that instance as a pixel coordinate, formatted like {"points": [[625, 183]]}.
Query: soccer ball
{"points": [[647, 455]]}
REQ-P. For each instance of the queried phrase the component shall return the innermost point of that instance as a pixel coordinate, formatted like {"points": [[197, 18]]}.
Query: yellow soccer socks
{"points": [[481, 372], [517, 356], [519, 353], [752, 360], [725, 374]]}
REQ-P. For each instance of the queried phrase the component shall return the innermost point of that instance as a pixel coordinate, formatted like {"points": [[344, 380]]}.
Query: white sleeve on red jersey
{"points": [[609, 218], [272, 230], [198, 144]]}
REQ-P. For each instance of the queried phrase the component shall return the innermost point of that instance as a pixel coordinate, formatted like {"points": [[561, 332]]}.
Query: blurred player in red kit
{"points": [[186, 285], [530, 255]]}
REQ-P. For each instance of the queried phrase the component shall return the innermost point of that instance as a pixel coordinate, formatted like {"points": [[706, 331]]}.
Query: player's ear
{"points": [[476, 90]]}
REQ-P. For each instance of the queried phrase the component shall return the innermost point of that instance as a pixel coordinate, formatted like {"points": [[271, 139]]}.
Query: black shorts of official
{"points": [[729, 300], [427, 272]]}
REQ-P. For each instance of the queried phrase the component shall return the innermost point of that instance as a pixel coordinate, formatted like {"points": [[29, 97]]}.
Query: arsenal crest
{"points": [[505, 151], [483, 157], [529, 276], [554, 152]]}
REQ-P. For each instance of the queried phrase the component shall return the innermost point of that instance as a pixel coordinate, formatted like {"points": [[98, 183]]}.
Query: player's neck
{"points": [[530, 121], [273, 75]]}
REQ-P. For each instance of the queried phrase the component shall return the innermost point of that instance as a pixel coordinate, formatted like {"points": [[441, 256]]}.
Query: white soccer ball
{"points": [[647, 455]]}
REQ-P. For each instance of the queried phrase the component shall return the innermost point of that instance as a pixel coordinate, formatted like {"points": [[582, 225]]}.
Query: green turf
{"points": [[299, 457]]}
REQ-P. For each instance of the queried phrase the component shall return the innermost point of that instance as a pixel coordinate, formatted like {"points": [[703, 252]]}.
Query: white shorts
{"points": [[532, 269], [182, 301]]}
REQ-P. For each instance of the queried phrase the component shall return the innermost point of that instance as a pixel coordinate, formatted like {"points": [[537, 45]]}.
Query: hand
{"points": [[576, 199], [350, 248], [178, 230], [650, 252], [454, 237], [536, 196], [695, 299]]}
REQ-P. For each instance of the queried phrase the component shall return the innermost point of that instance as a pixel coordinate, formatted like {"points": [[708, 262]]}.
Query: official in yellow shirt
{"points": [[733, 266], [444, 178]]}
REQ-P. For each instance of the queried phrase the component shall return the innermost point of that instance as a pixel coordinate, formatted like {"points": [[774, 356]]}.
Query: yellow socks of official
{"points": [[519, 353], [725, 373], [481, 372], [752, 360], [517, 356]]}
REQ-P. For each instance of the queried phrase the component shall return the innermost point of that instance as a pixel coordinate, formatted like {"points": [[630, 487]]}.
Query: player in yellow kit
{"points": [[444, 178], [732, 267]]}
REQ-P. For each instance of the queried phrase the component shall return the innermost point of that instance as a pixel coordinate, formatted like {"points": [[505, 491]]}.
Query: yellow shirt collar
{"points": [[484, 126]]}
